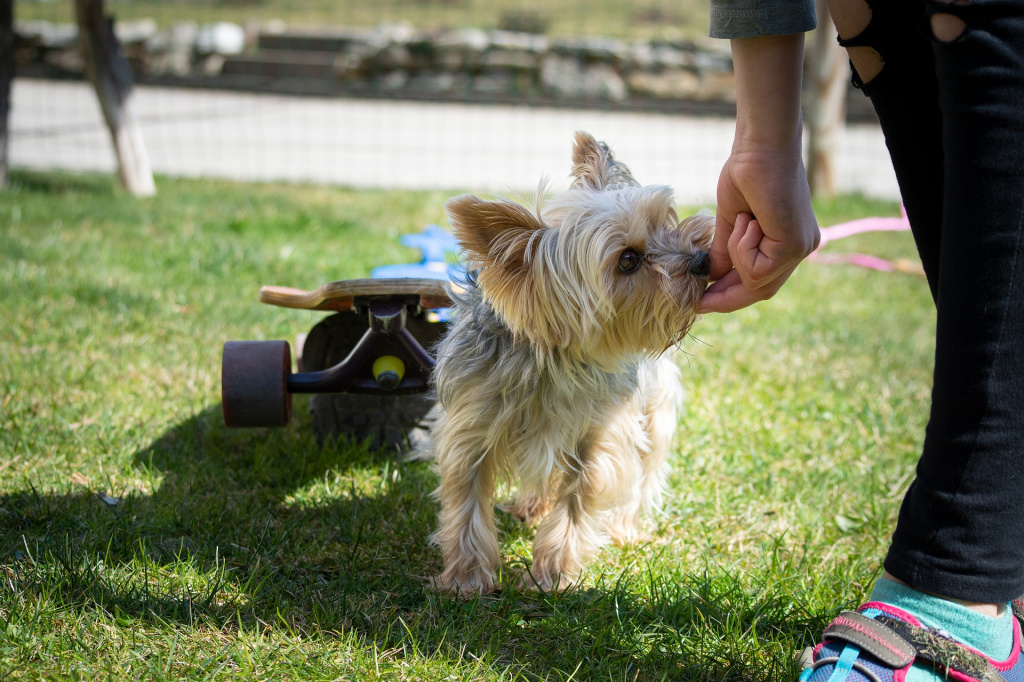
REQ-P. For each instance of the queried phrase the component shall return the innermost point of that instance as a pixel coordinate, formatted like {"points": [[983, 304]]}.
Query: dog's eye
{"points": [[630, 260]]}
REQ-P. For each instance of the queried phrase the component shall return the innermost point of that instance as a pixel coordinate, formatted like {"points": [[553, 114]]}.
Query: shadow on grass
{"points": [[263, 527], [58, 183]]}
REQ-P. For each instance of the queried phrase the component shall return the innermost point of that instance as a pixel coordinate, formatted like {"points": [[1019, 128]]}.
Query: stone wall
{"points": [[399, 61]]}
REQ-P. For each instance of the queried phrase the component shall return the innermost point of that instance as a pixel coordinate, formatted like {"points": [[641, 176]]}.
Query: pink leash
{"points": [[864, 260]]}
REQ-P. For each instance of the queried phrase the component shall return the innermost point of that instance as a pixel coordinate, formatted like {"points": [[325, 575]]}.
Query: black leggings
{"points": [[953, 118]]}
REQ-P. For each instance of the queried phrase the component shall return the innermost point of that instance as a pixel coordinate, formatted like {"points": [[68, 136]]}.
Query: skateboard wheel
{"points": [[254, 383]]}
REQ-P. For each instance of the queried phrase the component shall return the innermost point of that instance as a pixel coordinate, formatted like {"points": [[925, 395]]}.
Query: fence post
{"points": [[111, 75], [826, 106], [6, 76]]}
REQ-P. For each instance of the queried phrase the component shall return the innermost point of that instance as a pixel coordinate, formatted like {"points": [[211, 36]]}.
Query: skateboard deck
{"points": [[344, 295]]}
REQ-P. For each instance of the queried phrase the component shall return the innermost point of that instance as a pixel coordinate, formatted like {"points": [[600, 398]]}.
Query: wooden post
{"points": [[828, 74], [6, 76], [110, 74]]}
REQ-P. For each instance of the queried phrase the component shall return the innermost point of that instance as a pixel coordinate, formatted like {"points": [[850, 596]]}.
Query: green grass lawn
{"points": [[650, 19], [141, 539]]}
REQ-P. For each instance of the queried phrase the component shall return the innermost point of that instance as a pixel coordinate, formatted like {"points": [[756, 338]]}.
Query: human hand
{"points": [[764, 224]]}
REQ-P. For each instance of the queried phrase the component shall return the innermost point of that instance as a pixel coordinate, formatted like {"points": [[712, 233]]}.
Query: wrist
{"points": [[774, 144], [769, 75]]}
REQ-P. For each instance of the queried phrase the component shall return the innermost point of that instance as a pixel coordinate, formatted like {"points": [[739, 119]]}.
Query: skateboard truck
{"points": [[257, 383]]}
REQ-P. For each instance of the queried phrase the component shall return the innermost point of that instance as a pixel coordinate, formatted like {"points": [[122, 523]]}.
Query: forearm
{"points": [[769, 73], [764, 223]]}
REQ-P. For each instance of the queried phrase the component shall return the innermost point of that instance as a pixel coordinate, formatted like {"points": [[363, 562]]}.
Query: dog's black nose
{"points": [[700, 265]]}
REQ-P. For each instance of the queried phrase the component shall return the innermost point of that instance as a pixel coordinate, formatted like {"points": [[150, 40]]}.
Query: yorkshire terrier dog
{"points": [[558, 369]]}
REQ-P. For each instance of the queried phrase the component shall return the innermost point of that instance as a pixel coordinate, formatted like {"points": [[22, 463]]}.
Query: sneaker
{"points": [[879, 642]]}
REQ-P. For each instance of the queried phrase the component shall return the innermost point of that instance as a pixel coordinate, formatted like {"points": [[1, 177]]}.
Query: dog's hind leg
{"points": [[664, 400], [467, 535], [529, 506], [605, 467], [566, 538], [532, 502]]}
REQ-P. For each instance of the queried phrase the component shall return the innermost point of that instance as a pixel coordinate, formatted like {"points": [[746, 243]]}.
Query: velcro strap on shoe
{"points": [[1018, 608], [942, 652], [889, 647]]}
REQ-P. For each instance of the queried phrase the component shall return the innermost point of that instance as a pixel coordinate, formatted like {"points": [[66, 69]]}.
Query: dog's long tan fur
{"points": [[558, 370]]}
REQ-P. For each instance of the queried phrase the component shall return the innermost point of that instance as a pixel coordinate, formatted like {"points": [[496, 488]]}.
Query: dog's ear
{"points": [[594, 167], [492, 232]]}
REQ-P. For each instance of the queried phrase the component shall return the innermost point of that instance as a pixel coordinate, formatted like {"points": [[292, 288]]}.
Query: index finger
{"points": [[719, 253], [730, 294]]}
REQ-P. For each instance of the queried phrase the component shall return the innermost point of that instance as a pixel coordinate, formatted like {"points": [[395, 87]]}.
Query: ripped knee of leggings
{"points": [[948, 19], [861, 36]]}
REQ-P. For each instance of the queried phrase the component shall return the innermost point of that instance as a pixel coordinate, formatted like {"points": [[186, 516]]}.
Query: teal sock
{"points": [[991, 636]]}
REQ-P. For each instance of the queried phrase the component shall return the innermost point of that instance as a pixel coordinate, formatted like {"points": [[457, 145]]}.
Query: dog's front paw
{"points": [[465, 585], [528, 509]]}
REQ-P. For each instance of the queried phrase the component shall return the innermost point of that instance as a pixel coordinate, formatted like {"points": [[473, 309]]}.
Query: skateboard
{"points": [[367, 365]]}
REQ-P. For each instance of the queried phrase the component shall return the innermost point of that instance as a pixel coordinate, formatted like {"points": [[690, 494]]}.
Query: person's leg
{"points": [[961, 527], [893, 64], [953, 116], [960, 532]]}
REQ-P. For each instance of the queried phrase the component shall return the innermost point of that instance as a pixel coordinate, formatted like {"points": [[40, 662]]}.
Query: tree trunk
{"points": [[828, 74], [6, 76], [110, 74]]}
